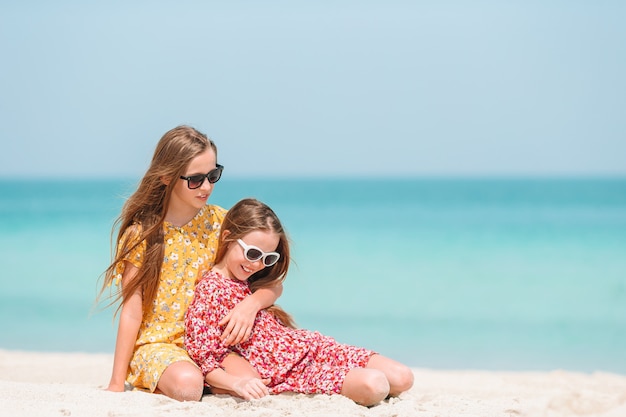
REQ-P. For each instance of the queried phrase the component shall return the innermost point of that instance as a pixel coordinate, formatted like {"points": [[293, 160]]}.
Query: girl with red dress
{"points": [[253, 253]]}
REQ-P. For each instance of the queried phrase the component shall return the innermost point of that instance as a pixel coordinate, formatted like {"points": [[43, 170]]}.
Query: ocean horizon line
{"points": [[332, 177]]}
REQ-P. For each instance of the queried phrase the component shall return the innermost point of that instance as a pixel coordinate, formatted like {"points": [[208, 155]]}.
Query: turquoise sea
{"points": [[496, 274]]}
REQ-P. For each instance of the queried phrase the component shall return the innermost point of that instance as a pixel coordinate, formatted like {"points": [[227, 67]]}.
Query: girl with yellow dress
{"points": [[167, 238]]}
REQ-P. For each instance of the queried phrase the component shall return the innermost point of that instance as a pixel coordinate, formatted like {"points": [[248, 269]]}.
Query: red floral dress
{"points": [[293, 359]]}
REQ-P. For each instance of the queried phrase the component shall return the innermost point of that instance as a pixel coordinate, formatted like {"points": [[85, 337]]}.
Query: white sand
{"points": [[60, 384]]}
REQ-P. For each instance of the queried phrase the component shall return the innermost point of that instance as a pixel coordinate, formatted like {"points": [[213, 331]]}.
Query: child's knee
{"points": [[366, 386], [402, 380], [185, 383], [189, 387], [377, 385]]}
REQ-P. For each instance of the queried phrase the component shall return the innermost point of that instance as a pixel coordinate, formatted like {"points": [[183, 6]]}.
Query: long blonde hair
{"points": [[249, 215], [145, 211]]}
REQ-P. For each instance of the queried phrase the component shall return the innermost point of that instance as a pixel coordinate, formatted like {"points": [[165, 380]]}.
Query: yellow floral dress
{"points": [[189, 251]]}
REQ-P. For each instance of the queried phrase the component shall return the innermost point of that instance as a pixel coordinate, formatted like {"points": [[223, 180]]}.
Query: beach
{"points": [[72, 384]]}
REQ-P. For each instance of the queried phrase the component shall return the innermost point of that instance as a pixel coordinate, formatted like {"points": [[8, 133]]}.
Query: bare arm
{"points": [[203, 343], [241, 318], [130, 320], [246, 387]]}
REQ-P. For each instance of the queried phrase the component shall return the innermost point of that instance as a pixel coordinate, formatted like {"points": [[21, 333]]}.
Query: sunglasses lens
{"points": [[253, 254], [270, 260], [214, 176], [195, 181]]}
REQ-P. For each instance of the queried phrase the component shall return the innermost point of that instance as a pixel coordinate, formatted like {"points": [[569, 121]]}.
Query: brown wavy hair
{"points": [[249, 215], [145, 210]]}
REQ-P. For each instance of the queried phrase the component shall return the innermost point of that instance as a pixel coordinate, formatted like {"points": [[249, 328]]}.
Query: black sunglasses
{"points": [[196, 181]]}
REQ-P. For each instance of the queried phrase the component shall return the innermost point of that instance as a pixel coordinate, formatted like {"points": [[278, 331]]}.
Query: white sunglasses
{"points": [[253, 254]]}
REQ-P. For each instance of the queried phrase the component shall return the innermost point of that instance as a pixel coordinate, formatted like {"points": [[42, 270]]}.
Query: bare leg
{"points": [[365, 386], [400, 376], [236, 365], [182, 381]]}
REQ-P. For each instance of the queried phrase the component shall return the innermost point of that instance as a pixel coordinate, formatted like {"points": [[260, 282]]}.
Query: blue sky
{"points": [[333, 88]]}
